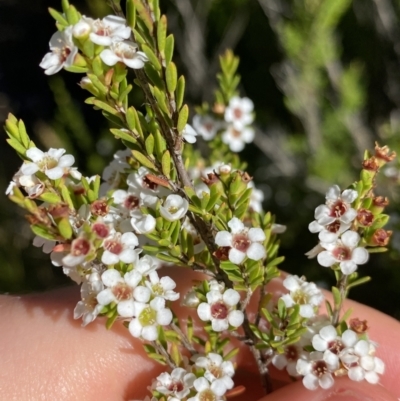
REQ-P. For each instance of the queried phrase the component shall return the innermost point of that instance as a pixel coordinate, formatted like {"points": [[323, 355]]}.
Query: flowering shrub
{"points": [[160, 202]]}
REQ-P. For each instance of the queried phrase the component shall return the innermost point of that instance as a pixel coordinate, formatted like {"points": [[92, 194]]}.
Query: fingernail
{"points": [[358, 393]]}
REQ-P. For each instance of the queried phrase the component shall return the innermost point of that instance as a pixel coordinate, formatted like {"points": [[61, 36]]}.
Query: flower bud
{"points": [[81, 29]]}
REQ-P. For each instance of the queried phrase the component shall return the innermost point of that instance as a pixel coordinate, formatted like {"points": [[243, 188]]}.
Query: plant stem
{"points": [[342, 286]]}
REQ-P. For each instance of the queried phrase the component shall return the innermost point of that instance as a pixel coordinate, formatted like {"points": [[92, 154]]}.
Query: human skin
{"points": [[46, 355]]}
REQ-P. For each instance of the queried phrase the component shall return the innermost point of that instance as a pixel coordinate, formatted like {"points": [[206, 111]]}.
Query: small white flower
{"points": [[143, 223], [189, 134], [123, 291], [216, 369], [206, 126], [53, 163], [174, 207], [120, 248], [220, 309], [330, 232], [337, 207], [316, 371], [82, 28], [242, 241], [162, 287], [88, 308], [46, 244], [148, 318], [292, 353], [345, 252], [31, 184], [305, 294], [63, 52], [236, 139], [80, 248], [125, 52], [176, 385], [256, 198], [191, 300], [239, 112], [207, 391], [108, 30], [140, 183]]}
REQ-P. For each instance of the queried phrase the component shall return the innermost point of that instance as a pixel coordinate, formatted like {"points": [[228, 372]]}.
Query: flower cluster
{"points": [[111, 32], [235, 126]]}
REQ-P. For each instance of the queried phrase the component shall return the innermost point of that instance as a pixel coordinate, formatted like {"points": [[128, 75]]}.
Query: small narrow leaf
{"points": [[180, 92], [166, 164], [169, 48], [150, 144], [130, 14], [162, 33], [183, 117], [50, 198], [152, 57], [143, 160], [65, 228], [58, 16], [171, 76]]}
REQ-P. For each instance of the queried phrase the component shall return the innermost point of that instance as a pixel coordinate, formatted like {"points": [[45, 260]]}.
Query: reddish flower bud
{"points": [[384, 153], [365, 217], [99, 207], [380, 201], [59, 210], [359, 326], [381, 237], [371, 164], [222, 253]]}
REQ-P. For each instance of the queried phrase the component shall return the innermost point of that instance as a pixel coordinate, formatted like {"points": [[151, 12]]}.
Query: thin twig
{"points": [[184, 339], [342, 285]]}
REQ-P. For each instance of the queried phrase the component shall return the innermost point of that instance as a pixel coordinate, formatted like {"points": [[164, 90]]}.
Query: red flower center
{"points": [[80, 246], [338, 209], [219, 310], [122, 291], [241, 242], [319, 368], [342, 253], [131, 202], [113, 247]]}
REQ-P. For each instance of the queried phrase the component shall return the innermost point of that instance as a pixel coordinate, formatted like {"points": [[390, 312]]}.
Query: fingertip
{"points": [[343, 390]]}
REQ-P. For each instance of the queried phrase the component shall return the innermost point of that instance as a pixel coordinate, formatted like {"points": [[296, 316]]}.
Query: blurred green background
{"points": [[325, 79]]}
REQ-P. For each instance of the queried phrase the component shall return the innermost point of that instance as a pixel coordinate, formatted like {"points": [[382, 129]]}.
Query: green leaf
{"points": [[17, 146], [50, 197], [97, 66], [72, 15], [162, 33], [171, 76], [58, 17], [183, 118], [166, 163], [42, 232], [150, 144], [67, 197], [156, 12], [160, 97], [12, 127], [130, 14], [125, 135], [152, 57], [180, 92], [169, 48], [106, 107], [359, 281], [337, 299], [65, 5], [346, 315], [168, 258], [143, 160], [65, 228]]}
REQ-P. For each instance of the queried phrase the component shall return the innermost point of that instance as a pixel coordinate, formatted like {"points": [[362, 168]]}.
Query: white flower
{"points": [[46, 244], [148, 318], [256, 198], [305, 294], [174, 207], [206, 126], [80, 248], [125, 52], [146, 265], [143, 223], [316, 371], [207, 391], [345, 252], [108, 30], [236, 139], [140, 183], [113, 172], [242, 241], [191, 300], [176, 385], [239, 112], [337, 207], [53, 163], [221, 309], [82, 28], [126, 199], [329, 232], [31, 184], [120, 248], [63, 52], [360, 360], [330, 343], [162, 287], [88, 307], [123, 291], [189, 134], [216, 369], [292, 353]]}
